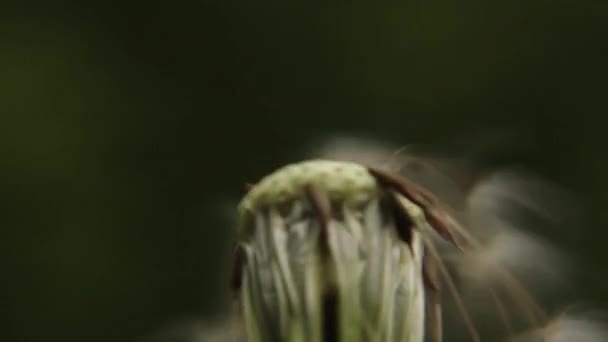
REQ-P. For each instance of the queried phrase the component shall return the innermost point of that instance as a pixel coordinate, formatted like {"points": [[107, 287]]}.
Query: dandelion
{"points": [[333, 251], [352, 249]]}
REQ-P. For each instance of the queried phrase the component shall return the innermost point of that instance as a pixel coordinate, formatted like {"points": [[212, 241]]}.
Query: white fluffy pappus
{"points": [[568, 328]]}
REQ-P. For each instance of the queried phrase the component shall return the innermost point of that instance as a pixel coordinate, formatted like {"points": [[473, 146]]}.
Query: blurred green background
{"points": [[127, 131]]}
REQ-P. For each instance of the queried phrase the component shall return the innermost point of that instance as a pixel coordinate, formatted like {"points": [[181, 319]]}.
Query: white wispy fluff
{"points": [[227, 328], [494, 215], [568, 328]]}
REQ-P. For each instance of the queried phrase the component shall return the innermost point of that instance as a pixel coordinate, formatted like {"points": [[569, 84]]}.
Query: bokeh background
{"points": [[127, 131]]}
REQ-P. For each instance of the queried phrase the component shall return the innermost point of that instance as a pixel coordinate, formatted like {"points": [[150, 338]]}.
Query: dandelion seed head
{"points": [[341, 180], [328, 252]]}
